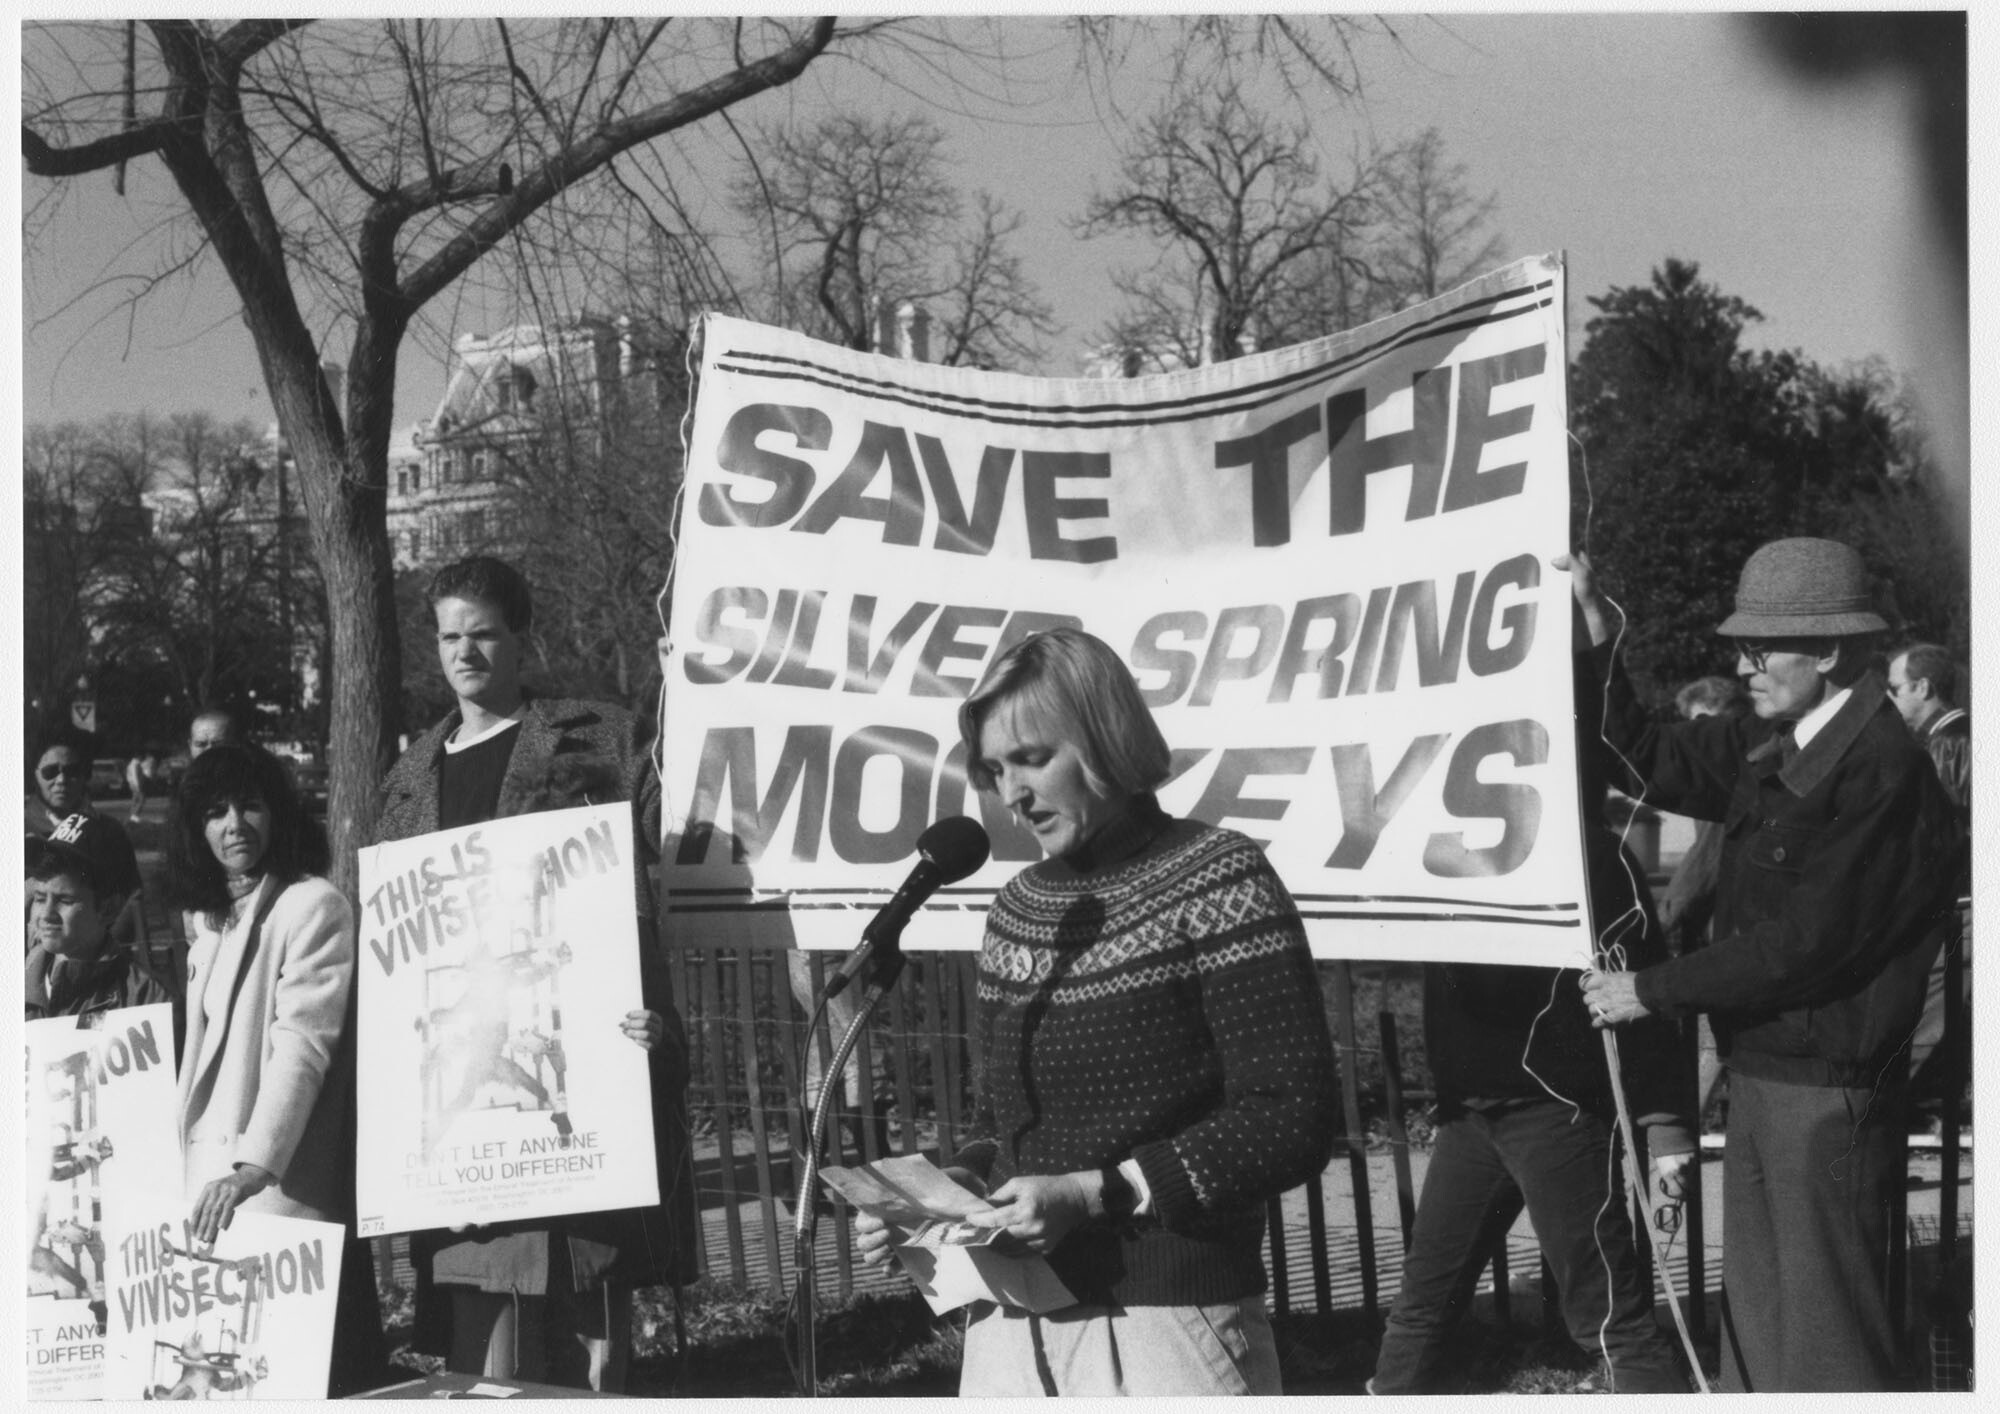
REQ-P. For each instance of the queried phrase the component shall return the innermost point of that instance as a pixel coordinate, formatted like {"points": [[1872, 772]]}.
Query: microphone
{"points": [[946, 853]]}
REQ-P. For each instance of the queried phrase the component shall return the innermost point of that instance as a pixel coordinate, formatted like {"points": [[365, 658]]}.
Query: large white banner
{"points": [[101, 1145], [1327, 565], [496, 963]]}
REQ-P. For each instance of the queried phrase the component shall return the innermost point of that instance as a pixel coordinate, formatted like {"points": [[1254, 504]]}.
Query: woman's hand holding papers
{"points": [[1039, 1211], [877, 1240]]}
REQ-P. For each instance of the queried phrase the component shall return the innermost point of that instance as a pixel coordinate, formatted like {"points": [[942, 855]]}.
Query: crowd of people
{"points": [[262, 988], [1150, 1053]]}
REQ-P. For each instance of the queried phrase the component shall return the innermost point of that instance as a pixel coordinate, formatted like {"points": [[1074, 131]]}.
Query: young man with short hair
{"points": [[548, 1300], [74, 967]]}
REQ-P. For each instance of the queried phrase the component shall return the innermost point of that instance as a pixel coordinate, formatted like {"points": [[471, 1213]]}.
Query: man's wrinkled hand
{"points": [[1613, 999]]}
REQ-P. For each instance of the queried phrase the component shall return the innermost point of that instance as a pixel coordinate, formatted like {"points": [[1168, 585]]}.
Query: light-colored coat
{"points": [[253, 1084]]}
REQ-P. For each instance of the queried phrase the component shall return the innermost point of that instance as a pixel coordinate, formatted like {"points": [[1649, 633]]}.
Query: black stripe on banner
{"points": [[778, 905], [1446, 902], [908, 398], [746, 891], [1428, 328], [1442, 918], [864, 896]]}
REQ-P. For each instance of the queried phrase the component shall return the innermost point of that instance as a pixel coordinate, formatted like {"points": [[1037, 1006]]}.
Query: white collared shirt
{"points": [[1810, 725]]}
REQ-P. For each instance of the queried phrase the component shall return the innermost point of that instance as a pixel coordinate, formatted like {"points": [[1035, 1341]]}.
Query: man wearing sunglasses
{"points": [[59, 782], [1839, 851]]}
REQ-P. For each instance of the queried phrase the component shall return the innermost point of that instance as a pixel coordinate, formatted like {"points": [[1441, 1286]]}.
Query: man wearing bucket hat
{"points": [[1838, 854]]}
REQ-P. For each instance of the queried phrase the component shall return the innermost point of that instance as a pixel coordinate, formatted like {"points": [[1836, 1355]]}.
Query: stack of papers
{"points": [[952, 1261]]}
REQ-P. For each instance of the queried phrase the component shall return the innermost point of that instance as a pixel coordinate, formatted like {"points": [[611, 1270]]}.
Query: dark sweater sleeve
{"points": [[1260, 997], [1686, 767], [981, 1145]]}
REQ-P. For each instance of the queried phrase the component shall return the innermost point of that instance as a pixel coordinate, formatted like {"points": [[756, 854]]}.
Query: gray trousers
{"points": [[1808, 1178], [1224, 1349]]}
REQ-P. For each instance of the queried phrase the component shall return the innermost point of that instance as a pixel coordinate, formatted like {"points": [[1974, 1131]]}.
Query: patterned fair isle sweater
{"points": [[1152, 996]]}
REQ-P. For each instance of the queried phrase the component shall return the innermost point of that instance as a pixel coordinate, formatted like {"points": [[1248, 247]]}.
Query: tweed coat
{"points": [[557, 735]]}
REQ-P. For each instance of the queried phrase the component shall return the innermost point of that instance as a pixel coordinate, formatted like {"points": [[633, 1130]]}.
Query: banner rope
{"points": [[1609, 955], [663, 601]]}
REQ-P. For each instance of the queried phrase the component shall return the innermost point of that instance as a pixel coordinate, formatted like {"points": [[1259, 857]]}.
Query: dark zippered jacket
{"points": [[1836, 872], [117, 979]]}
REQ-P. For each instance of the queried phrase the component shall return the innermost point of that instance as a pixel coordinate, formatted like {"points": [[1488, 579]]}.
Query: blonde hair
{"points": [[1081, 686]]}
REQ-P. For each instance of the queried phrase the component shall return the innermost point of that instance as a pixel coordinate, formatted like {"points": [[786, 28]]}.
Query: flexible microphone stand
{"points": [[883, 970]]}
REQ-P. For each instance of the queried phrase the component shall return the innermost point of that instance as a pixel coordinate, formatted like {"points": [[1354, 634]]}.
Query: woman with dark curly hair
{"points": [[270, 971]]}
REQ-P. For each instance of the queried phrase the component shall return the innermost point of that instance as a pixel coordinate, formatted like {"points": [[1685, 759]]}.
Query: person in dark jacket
{"points": [[77, 889], [1526, 1117], [1838, 858], [551, 1299], [1923, 686], [1687, 908]]}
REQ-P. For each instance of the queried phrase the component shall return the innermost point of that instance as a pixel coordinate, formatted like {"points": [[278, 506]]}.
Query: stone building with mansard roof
{"points": [[447, 477]]}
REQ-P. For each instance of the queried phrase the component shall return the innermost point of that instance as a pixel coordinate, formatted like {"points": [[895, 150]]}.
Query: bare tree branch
{"points": [[579, 160], [44, 160], [245, 40]]}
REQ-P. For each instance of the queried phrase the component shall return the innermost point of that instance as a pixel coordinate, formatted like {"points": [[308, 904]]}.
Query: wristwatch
{"points": [[1120, 1198]]}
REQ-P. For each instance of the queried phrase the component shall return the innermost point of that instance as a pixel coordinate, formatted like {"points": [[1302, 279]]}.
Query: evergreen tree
{"points": [[1695, 449]]}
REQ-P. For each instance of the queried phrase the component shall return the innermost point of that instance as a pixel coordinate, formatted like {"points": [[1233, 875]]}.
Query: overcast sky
{"points": [[1621, 139]]}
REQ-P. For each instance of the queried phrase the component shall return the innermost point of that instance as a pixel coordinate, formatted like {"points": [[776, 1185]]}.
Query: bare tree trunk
{"points": [[345, 514], [204, 141]]}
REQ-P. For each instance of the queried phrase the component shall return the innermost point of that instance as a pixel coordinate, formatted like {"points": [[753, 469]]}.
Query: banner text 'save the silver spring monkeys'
{"points": [[1327, 565]]}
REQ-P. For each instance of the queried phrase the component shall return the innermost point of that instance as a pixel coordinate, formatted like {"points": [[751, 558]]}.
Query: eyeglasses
{"points": [[1758, 654], [75, 770], [1759, 651], [1667, 1218]]}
